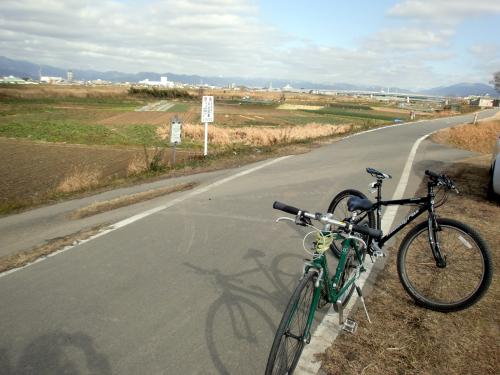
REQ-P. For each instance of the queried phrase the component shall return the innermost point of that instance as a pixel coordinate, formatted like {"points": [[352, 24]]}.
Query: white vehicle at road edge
{"points": [[494, 184]]}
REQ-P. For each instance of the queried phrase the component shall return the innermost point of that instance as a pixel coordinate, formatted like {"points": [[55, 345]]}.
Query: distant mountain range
{"points": [[462, 89], [27, 69]]}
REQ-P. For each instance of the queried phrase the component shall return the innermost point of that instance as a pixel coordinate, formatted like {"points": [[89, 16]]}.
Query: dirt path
{"points": [[160, 106]]}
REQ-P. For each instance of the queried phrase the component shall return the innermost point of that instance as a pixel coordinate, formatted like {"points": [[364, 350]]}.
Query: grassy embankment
{"points": [[406, 339]]}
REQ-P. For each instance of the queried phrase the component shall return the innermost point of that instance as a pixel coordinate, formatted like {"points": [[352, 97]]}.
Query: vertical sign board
{"points": [[207, 109], [207, 115], [175, 131], [175, 134]]}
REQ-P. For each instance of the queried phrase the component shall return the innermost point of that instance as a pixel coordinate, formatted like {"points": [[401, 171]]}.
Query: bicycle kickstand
{"points": [[358, 289]]}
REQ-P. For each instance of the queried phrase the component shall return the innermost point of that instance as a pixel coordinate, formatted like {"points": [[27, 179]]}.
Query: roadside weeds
{"points": [[24, 258], [100, 207]]}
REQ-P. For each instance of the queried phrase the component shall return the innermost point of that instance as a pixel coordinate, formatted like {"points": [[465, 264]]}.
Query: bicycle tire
{"points": [[297, 311], [467, 275], [338, 207]]}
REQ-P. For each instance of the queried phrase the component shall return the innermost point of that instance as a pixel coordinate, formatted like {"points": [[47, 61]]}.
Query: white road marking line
{"points": [[390, 212], [200, 190], [147, 213], [328, 330]]}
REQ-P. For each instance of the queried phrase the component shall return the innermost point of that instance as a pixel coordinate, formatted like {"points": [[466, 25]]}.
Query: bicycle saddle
{"points": [[356, 203], [378, 174]]}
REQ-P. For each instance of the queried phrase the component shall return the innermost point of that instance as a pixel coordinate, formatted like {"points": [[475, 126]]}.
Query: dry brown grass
{"points": [[37, 91], [79, 179], [25, 257], [137, 164], [295, 107], [257, 136], [407, 339], [479, 138], [99, 207]]}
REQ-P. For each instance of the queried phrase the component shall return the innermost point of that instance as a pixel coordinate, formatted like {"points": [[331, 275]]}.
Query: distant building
{"points": [[12, 80], [51, 80], [485, 102], [164, 82], [482, 102], [69, 77], [99, 81]]}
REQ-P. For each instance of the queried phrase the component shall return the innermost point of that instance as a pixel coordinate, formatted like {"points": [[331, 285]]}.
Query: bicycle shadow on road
{"points": [[241, 310], [57, 353]]}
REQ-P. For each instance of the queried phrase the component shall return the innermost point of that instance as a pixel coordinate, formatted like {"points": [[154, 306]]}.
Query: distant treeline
{"points": [[161, 93]]}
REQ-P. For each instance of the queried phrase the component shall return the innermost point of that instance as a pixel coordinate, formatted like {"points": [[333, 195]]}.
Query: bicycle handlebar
{"points": [[286, 208], [442, 179], [375, 233], [431, 174]]}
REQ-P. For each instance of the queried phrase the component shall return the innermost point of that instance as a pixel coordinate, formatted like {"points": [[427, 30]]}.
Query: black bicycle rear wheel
{"points": [[291, 335], [338, 207], [461, 283]]}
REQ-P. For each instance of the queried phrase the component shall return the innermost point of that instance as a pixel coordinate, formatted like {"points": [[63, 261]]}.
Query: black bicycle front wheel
{"points": [[291, 335], [338, 207], [461, 283]]}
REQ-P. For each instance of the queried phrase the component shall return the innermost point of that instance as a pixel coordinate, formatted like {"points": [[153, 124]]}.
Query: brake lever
{"points": [[302, 221], [282, 218]]}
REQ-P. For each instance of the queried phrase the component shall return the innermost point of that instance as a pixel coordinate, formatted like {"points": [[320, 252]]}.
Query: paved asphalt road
{"points": [[196, 288]]}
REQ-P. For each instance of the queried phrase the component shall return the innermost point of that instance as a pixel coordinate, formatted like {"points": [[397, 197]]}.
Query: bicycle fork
{"points": [[433, 229]]}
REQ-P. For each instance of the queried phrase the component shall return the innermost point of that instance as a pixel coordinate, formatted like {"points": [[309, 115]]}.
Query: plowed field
{"points": [[31, 170]]}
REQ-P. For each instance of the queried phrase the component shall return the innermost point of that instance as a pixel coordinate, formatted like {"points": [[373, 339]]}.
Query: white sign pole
{"points": [[205, 150], [207, 115]]}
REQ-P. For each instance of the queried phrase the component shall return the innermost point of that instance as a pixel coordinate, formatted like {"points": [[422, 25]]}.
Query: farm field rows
{"points": [[48, 132]]}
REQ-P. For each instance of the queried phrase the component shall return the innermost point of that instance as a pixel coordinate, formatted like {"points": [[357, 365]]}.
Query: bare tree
{"points": [[496, 81]]}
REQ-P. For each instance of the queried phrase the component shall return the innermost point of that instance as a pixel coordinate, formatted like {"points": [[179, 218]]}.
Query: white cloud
{"points": [[407, 39], [444, 11], [163, 35], [223, 37]]}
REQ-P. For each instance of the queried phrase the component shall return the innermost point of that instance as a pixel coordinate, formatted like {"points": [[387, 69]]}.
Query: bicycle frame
{"points": [[426, 204], [319, 264]]}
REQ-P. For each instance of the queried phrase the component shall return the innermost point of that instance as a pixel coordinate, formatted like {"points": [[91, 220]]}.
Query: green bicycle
{"points": [[316, 288]]}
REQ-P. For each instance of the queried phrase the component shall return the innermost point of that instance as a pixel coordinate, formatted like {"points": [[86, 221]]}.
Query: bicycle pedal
{"points": [[350, 325]]}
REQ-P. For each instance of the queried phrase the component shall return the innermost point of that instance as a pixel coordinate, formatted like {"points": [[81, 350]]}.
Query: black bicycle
{"points": [[443, 264]]}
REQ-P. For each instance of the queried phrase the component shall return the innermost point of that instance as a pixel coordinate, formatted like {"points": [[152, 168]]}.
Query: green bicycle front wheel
{"points": [[292, 332]]}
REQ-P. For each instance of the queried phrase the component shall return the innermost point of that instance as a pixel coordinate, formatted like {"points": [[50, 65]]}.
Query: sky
{"points": [[412, 44]]}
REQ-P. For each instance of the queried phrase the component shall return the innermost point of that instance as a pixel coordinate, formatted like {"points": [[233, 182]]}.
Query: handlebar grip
{"points": [[375, 233], [286, 208], [431, 174]]}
